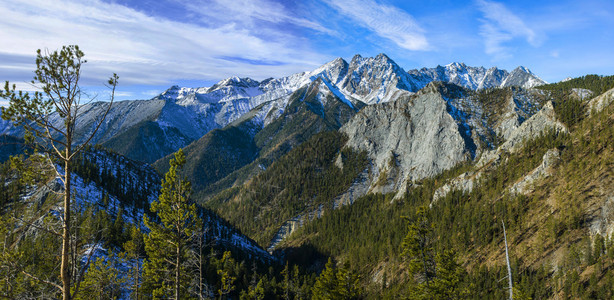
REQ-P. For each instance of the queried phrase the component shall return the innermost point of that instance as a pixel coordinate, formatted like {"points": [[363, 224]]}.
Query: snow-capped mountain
{"points": [[181, 115], [476, 77]]}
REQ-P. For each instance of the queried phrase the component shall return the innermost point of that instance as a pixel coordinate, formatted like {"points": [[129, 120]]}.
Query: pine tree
{"points": [[57, 74], [227, 276], [286, 284], [167, 242], [348, 283], [417, 247], [134, 253], [448, 282], [326, 284], [102, 280]]}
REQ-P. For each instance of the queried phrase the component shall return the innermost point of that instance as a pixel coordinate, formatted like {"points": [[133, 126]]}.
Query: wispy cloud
{"points": [[500, 26], [386, 21], [249, 14], [145, 49]]}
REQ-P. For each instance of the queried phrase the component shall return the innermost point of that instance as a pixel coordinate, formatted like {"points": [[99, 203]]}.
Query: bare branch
{"points": [[104, 116], [43, 280], [31, 223]]}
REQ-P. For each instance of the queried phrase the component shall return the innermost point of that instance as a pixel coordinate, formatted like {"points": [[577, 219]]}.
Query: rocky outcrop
{"points": [[600, 102], [463, 183], [549, 161], [601, 221], [519, 106], [539, 123], [408, 139], [359, 187]]}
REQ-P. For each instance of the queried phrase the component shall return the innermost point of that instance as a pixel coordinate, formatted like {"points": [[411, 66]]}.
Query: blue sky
{"points": [[153, 44]]}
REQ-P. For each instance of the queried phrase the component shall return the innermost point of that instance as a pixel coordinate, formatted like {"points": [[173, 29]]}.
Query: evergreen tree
{"points": [[134, 253], [448, 282], [102, 280], [348, 283], [417, 247], [167, 242], [227, 276], [326, 284], [57, 74]]}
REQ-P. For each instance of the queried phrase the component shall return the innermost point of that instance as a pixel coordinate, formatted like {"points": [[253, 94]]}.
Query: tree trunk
{"points": [[177, 272], [65, 274], [137, 277], [200, 267], [509, 268]]}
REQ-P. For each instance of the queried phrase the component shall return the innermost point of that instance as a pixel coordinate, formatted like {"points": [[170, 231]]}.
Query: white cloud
{"points": [[140, 48], [500, 26], [386, 21], [248, 12]]}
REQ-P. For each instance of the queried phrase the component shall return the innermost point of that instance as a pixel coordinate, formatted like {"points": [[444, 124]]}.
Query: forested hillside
{"points": [[353, 181]]}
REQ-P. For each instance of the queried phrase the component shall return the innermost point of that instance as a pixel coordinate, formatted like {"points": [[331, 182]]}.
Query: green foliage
{"points": [[418, 247], [304, 117], [167, 242], [334, 283], [216, 154], [57, 74], [102, 279], [298, 182], [448, 282], [146, 142], [98, 165], [227, 276], [467, 221], [134, 253], [570, 109], [596, 83]]}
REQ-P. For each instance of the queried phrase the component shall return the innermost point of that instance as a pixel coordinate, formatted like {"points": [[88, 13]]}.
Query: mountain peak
{"points": [[235, 81], [382, 56], [522, 77], [456, 65], [522, 69]]}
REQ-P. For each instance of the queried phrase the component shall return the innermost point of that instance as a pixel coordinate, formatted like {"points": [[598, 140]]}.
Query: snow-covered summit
{"points": [[476, 77]]}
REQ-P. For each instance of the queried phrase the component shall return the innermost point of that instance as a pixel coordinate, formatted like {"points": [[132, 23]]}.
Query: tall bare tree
{"points": [[57, 77]]}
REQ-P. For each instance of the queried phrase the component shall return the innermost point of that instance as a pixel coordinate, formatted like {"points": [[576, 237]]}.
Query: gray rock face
{"points": [[359, 188], [540, 122], [521, 105], [600, 102], [464, 182], [549, 161], [408, 139], [601, 221]]}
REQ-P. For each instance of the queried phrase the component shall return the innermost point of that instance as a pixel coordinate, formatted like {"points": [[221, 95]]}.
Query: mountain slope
{"points": [[559, 225], [147, 141], [216, 154], [310, 110]]}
